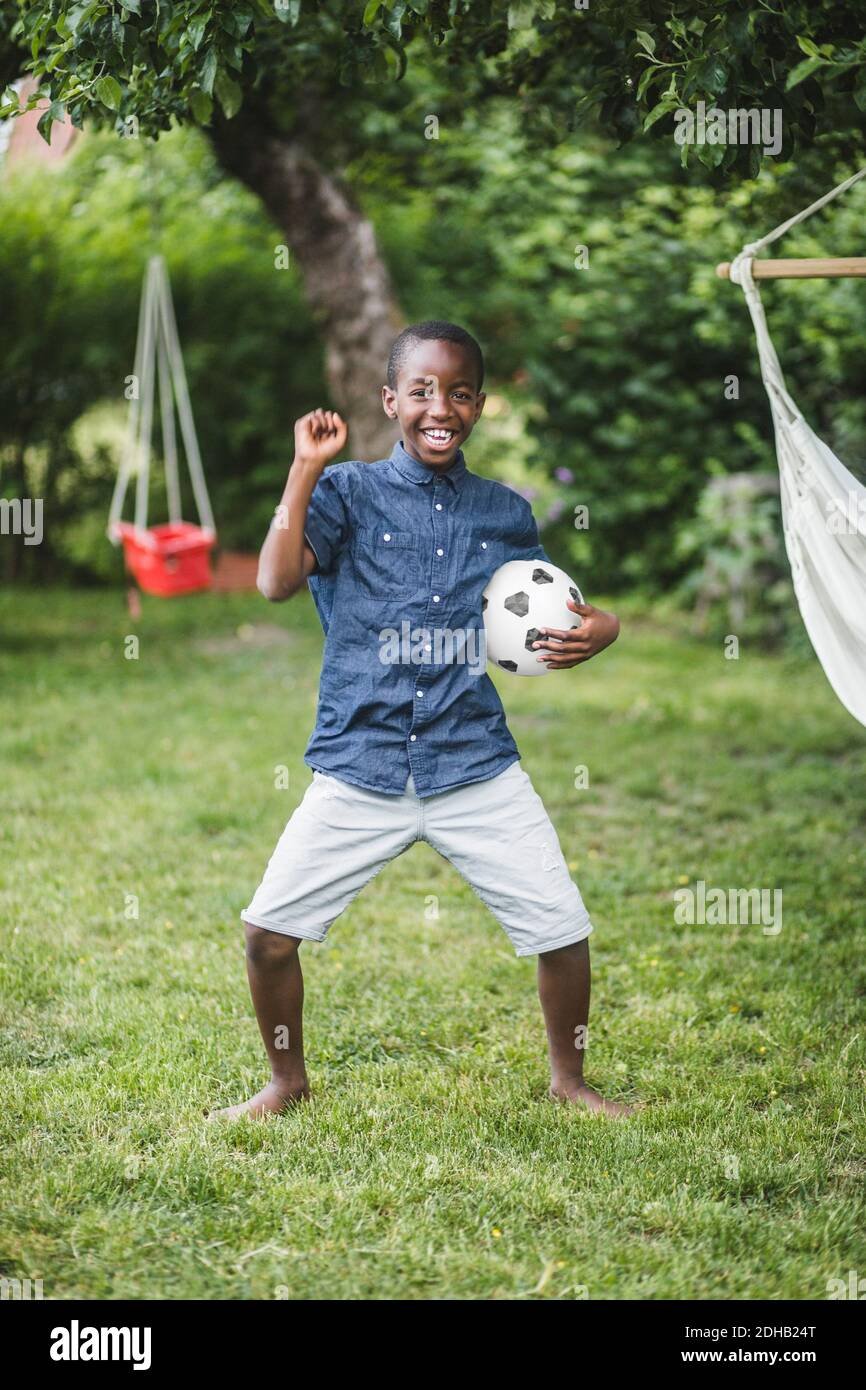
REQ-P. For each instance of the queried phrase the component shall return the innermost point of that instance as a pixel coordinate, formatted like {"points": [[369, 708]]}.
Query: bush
{"points": [[75, 244]]}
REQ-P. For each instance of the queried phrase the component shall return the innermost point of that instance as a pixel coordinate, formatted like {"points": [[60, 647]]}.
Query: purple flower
{"points": [[564, 475], [555, 510]]}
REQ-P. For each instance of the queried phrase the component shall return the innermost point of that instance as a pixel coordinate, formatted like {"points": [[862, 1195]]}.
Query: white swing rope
{"points": [[157, 349], [749, 250], [828, 561]]}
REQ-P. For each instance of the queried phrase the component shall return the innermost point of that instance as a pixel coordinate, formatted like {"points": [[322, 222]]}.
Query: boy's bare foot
{"points": [[273, 1099], [578, 1093]]}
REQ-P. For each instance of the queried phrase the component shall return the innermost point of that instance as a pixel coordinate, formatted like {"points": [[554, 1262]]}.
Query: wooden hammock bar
{"points": [[793, 269]]}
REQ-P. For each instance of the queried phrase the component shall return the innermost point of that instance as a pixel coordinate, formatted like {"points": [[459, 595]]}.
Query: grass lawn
{"points": [[430, 1163]]}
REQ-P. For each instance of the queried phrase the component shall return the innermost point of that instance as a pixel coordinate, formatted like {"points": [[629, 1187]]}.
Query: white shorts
{"points": [[496, 833]]}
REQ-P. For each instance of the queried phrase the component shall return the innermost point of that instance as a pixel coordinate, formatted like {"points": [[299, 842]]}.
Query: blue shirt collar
{"points": [[417, 472]]}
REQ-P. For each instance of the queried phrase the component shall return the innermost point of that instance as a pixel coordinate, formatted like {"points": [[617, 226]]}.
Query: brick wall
{"points": [[25, 145]]}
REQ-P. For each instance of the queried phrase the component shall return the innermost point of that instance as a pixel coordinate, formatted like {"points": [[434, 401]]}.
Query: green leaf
{"points": [[208, 71], [201, 106], [808, 47], [664, 108], [646, 40], [55, 112], [239, 21], [803, 70], [195, 30], [399, 53], [713, 75], [711, 156], [80, 16], [371, 10], [109, 92], [647, 76], [9, 105], [57, 57], [229, 93], [860, 94], [133, 5], [394, 20]]}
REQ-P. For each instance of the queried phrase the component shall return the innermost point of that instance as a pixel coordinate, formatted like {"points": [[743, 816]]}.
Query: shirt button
{"points": [[483, 544], [387, 536], [440, 552], [438, 506], [428, 647], [412, 738], [420, 694], [435, 598]]}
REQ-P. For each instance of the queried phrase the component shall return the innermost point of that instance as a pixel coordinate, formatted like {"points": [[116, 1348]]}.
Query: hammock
{"points": [[172, 558], [823, 504]]}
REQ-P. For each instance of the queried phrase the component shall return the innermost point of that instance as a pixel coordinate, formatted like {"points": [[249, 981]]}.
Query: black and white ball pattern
{"points": [[522, 597]]}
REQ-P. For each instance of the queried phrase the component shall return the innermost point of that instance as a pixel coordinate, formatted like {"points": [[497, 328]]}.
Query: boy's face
{"points": [[437, 401]]}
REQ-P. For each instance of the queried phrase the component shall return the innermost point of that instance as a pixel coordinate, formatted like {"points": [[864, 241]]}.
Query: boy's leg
{"points": [[498, 835], [564, 988], [277, 988], [339, 837]]}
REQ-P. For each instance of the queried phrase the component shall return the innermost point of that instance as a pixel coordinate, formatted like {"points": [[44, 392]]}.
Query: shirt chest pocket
{"points": [[387, 564], [482, 556]]}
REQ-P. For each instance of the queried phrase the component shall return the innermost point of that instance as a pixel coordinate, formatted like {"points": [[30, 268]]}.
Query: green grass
{"points": [[430, 1164]]}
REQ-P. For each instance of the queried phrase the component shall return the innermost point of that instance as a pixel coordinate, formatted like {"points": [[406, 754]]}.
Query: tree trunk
{"points": [[345, 279]]}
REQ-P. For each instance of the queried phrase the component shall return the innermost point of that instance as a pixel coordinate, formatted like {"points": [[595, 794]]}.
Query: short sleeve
{"points": [[328, 525], [528, 546]]}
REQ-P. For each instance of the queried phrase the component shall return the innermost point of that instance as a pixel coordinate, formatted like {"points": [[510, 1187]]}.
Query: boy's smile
{"points": [[437, 401]]}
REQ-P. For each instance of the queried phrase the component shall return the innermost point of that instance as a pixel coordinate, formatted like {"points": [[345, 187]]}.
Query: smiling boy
{"points": [[419, 750]]}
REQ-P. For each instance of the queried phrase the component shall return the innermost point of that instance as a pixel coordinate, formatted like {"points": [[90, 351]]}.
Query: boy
{"points": [[412, 749]]}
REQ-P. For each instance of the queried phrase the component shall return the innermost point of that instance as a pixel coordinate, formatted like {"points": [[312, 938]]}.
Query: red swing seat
{"points": [[173, 558]]}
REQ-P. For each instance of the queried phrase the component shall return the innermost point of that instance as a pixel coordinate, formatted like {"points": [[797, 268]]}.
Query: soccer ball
{"points": [[521, 597]]}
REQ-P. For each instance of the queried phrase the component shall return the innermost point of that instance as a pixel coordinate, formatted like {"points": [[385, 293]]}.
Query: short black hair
{"points": [[432, 330]]}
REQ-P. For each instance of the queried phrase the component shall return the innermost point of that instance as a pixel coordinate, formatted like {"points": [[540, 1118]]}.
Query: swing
{"points": [[174, 557], [823, 504]]}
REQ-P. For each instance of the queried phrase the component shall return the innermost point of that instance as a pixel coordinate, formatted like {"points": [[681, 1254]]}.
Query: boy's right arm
{"points": [[286, 560]]}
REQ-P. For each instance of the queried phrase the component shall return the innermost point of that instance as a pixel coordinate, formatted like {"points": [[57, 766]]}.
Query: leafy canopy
{"points": [[628, 64]]}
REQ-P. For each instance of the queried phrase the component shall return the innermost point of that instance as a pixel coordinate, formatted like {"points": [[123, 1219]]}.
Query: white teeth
{"points": [[439, 434]]}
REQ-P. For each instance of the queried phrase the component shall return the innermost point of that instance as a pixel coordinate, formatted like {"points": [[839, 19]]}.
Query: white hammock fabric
{"points": [[823, 507]]}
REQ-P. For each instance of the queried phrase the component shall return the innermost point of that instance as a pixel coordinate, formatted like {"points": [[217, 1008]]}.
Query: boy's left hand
{"points": [[578, 644]]}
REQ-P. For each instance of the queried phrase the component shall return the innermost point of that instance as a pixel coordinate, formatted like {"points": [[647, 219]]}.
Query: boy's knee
{"points": [[263, 945]]}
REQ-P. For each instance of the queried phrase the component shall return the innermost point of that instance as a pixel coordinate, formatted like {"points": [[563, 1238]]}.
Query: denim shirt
{"points": [[405, 552]]}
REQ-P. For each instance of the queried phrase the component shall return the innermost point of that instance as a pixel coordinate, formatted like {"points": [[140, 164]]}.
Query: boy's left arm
{"points": [[562, 648]]}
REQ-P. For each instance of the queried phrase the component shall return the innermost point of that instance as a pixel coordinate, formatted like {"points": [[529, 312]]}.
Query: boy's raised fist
{"points": [[319, 437]]}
